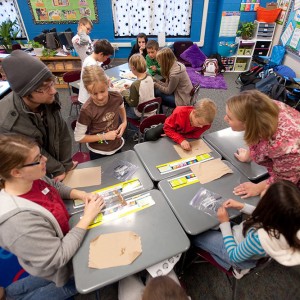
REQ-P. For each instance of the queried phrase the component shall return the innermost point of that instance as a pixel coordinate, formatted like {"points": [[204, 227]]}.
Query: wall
{"points": [[104, 29]]}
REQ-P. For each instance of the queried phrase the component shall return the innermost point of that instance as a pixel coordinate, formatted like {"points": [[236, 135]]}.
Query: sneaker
{"points": [[238, 274]]}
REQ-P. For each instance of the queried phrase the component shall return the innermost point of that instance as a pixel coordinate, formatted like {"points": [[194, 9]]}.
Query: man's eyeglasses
{"points": [[46, 89], [34, 163]]}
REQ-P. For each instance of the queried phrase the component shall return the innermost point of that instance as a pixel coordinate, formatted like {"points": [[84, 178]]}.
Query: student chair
{"points": [[143, 108], [179, 47], [68, 78], [195, 94], [79, 155], [206, 257], [150, 122]]}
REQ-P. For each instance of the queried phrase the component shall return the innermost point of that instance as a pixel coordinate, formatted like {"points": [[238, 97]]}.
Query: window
{"points": [[173, 17]]}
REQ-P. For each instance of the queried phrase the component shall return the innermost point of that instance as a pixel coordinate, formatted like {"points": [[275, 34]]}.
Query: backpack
{"points": [[221, 66], [210, 67], [248, 79]]}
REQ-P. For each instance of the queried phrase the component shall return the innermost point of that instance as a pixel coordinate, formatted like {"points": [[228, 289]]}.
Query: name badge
{"points": [[45, 191]]}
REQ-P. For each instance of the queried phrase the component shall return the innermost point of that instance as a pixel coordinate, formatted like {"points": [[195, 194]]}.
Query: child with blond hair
{"points": [[98, 122], [186, 122]]}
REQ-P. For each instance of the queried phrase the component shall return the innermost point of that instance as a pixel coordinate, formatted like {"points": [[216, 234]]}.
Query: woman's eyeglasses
{"points": [[34, 163]]}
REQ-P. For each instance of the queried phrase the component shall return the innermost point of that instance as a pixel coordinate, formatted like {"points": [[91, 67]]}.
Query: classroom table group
{"points": [[165, 227]]}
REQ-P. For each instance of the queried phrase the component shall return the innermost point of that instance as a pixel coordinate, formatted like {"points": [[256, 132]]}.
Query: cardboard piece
{"points": [[114, 249], [210, 170], [198, 147], [83, 177]]}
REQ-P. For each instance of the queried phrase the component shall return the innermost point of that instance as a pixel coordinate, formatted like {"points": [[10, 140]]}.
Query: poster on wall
{"points": [[62, 11], [229, 23], [290, 37], [284, 5]]}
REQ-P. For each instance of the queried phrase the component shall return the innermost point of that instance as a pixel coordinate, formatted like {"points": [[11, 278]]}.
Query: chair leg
{"points": [[71, 109]]}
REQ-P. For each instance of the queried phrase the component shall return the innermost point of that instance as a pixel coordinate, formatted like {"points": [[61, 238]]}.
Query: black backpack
{"points": [[218, 57], [249, 78]]}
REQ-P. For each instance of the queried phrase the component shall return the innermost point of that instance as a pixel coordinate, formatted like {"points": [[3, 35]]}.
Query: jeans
{"points": [[130, 113], [212, 242], [167, 100], [36, 288]]}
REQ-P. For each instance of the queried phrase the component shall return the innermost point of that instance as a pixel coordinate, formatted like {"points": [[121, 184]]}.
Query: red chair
{"points": [[79, 155], [68, 78], [146, 107], [150, 122]]}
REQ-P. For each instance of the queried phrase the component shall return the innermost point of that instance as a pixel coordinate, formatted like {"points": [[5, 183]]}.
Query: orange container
{"points": [[267, 15]]}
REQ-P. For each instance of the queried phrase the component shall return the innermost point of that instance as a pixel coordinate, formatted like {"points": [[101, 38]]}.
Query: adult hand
{"points": [[233, 204], [243, 155], [60, 177], [185, 145], [121, 129], [248, 189], [222, 215], [92, 208]]}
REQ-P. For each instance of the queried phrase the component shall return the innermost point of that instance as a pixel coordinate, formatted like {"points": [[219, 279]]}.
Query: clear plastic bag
{"points": [[122, 170], [207, 201]]}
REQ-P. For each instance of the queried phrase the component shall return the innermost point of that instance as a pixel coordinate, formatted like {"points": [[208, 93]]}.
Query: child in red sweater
{"points": [[186, 122]]}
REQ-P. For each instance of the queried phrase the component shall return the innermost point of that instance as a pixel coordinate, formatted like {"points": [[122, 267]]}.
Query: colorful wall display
{"points": [[62, 11]]}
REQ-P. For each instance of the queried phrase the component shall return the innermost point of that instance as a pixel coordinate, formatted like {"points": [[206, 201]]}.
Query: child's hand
{"points": [[153, 68], [111, 135], [127, 86], [185, 145], [222, 215], [121, 129], [243, 155], [234, 204]]}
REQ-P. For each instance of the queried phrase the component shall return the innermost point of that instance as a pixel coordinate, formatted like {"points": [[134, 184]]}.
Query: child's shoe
{"points": [[238, 274]]}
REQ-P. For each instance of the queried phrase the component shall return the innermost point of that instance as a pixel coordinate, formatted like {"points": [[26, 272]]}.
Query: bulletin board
{"points": [[62, 11], [290, 37]]}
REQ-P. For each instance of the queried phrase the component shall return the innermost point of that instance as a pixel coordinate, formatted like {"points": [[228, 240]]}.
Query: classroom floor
{"points": [[203, 281]]}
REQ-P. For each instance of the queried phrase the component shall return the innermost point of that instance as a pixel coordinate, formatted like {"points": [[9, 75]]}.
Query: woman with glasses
{"points": [[34, 221]]}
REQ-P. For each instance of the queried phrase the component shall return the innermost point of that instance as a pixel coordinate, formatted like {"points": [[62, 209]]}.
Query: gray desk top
{"points": [[159, 152], [226, 142], [161, 235], [195, 221], [112, 72], [107, 180]]}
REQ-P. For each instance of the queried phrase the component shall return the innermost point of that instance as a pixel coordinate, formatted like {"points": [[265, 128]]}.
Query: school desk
{"points": [[161, 237], [226, 142], [107, 178], [195, 221], [153, 154]]}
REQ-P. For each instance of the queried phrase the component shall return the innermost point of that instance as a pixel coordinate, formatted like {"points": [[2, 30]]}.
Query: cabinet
{"points": [[59, 65], [259, 45]]}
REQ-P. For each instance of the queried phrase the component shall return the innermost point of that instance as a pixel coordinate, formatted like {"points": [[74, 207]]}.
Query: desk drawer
{"points": [[262, 52], [262, 44], [266, 25]]}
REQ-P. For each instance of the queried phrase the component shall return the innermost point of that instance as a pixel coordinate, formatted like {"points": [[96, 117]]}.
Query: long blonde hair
{"points": [[92, 75], [166, 59], [14, 150], [258, 113]]}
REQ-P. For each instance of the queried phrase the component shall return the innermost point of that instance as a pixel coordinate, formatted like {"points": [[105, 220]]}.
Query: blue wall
{"points": [[104, 29]]}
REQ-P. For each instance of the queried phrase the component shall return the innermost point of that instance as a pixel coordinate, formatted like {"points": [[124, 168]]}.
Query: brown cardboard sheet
{"points": [[198, 147]]}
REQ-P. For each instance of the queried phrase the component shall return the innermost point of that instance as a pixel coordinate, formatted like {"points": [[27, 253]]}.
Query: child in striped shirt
{"points": [[273, 229]]}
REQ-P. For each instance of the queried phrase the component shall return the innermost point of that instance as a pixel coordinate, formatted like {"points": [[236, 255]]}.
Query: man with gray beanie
{"points": [[33, 109]]}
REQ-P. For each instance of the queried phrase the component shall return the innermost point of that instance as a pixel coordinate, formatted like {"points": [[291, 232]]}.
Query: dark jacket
{"points": [[55, 142]]}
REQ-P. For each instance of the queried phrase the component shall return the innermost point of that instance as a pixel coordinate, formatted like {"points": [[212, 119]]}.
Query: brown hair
{"points": [[104, 47], [278, 212], [152, 44], [14, 150], [163, 288], [141, 35], [92, 75], [138, 62], [166, 58], [205, 108], [258, 113], [85, 21]]}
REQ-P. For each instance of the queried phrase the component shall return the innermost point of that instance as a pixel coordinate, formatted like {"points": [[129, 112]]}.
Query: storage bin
{"points": [[240, 66], [267, 15], [263, 44], [262, 52], [248, 51], [241, 51], [227, 48]]}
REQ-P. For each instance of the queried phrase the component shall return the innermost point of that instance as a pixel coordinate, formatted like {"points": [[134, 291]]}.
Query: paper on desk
{"points": [[83, 177], [114, 249], [210, 170], [198, 147]]}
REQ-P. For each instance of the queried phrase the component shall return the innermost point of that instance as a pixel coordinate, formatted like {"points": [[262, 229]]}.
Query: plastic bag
{"points": [[207, 201], [122, 170]]}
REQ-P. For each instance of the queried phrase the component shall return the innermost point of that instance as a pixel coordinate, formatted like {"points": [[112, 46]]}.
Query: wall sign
{"points": [[62, 11]]}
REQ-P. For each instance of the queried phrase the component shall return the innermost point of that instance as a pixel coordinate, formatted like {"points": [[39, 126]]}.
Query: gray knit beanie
{"points": [[24, 72]]}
